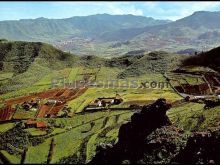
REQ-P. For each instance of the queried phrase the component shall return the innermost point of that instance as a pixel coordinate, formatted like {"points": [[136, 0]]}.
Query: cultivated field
{"points": [[77, 136]]}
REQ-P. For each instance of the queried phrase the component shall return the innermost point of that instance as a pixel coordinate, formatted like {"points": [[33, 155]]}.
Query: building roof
{"points": [[41, 124], [30, 122]]}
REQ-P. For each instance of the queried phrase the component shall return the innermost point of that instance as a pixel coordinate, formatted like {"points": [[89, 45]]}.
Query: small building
{"points": [[104, 102], [31, 123], [31, 104], [55, 102], [41, 124]]}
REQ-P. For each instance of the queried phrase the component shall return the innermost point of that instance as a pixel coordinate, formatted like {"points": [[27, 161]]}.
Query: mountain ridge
{"points": [[95, 34], [85, 26]]}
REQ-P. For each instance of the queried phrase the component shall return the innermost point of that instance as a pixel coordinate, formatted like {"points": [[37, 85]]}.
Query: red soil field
{"points": [[56, 94], [42, 95], [6, 114], [67, 95]]}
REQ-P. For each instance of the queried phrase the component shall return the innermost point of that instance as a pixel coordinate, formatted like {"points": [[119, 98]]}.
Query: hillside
{"points": [[27, 62], [18, 56], [209, 59], [140, 63], [192, 26], [23, 64], [150, 138], [27, 95]]}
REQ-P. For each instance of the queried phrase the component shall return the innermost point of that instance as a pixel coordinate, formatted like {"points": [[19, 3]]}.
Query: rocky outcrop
{"points": [[150, 138], [132, 135], [201, 148]]}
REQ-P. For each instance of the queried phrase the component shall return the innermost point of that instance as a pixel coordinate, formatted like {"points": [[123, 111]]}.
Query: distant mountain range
{"points": [[113, 35], [93, 26]]}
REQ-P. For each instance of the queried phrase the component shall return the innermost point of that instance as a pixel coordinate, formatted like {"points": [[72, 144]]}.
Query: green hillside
{"points": [[27, 62], [18, 56], [34, 65], [147, 63]]}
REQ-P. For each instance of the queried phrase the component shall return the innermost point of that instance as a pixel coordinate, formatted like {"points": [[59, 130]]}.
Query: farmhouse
{"points": [[104, 102], [55, 102], [30, 123], [31, 105]]}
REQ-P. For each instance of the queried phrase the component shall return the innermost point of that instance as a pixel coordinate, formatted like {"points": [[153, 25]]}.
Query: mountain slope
{"points": [[43, 29], [108, 35], [198, 31], [207, 59], [194, 24]]}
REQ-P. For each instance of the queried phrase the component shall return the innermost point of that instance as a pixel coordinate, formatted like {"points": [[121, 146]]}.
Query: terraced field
{"points": [[193, 117], [77, 137], [80, 135], [6, 114]]}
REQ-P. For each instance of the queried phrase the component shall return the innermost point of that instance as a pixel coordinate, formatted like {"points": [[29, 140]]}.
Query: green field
{"points": [[193, 117], [13, 159], [6, 127], [76, 138]]}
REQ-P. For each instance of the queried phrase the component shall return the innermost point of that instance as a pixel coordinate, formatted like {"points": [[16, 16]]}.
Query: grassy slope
{"points": [[187, 117], [30, 62], [6, 127], [13, 159]]}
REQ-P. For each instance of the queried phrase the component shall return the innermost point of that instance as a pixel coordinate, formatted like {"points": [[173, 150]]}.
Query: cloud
{"points": [[177, 10], [159, 10], [119, 10]]}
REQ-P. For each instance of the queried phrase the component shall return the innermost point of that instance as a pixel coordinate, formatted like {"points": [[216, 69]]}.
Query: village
{"points": [[53, 102]]}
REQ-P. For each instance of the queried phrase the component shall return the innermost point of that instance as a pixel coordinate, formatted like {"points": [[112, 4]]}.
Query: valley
{"points": [[47, 109]]}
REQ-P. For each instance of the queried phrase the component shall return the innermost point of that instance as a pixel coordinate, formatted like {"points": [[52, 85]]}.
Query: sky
{"points": [[61, 9]]}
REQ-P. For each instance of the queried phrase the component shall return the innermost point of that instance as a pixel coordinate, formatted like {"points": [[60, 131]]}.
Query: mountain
{"points": [[198, 31], [43, 29], [115, 35], [190, 26], [200, 18]]}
